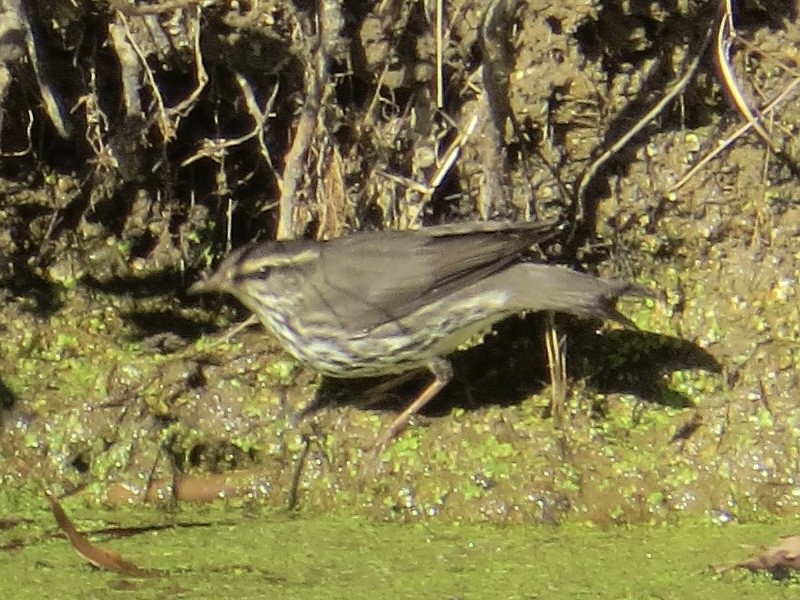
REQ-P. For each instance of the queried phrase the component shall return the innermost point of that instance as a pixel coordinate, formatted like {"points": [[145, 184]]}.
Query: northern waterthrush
{"points": [[390, 302]]}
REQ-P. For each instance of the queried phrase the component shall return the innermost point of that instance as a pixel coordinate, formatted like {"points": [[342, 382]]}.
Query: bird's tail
{"points": [[536, 287]]}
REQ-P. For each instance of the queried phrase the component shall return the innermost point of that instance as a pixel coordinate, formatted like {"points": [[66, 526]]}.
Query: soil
{"points": [[140, 143]]}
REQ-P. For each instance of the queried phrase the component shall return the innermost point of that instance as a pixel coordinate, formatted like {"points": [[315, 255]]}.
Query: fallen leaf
{"points": [[779, 560], [102, 558]]}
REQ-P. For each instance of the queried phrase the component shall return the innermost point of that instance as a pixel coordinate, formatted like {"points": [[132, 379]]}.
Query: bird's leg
{"points": [[234, 331], [442, 372], [372, 396], [376, 393]]}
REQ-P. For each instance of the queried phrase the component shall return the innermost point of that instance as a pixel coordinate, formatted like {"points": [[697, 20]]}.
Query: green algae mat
{"points": [[232, 554]]}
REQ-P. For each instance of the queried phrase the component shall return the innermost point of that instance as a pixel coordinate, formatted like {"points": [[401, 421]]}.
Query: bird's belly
{"points": [[393, 347]]}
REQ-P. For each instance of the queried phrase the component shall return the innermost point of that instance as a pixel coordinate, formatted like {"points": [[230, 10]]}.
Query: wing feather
{"points": [[384, 276]]}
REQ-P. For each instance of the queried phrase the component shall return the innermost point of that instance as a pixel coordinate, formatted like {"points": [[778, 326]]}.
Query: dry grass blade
{"points": [[317, 76], [438, 37], [732, 138], [601, 160], [445, 164], [15, 11], [726, 33], [557, 364]]}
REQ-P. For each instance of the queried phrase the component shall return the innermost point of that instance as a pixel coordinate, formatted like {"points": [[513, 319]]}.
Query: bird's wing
{"points": [[384, 276]]}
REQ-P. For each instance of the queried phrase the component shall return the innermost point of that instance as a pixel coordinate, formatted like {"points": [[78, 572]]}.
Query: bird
{"points": [[393, 302]]}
